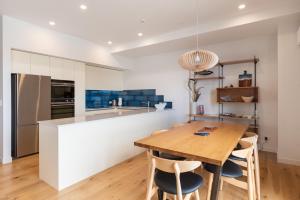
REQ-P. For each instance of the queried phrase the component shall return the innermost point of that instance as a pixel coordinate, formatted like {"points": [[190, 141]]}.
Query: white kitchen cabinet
{"points": [[36, 64], [79, 76], [68, 69], [40, 65], [98, 78], [20, 62], [62, 69], [56, 68]]}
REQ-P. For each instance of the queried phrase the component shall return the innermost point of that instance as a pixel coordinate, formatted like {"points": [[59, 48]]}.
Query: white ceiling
{"points": [[268, 27], [119, 20], [256, 29]]}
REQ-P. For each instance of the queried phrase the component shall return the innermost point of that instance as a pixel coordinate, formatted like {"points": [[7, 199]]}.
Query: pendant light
{"points": [[198, 60]]}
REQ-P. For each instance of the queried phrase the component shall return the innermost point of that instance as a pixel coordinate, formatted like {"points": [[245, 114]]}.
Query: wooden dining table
{"points": [[214, 148]]}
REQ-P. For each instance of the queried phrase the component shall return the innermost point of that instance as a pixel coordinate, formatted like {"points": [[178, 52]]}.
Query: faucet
{"points": [[146, 102]]}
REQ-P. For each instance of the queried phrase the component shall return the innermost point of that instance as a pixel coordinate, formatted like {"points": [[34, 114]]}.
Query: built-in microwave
{"points": [[61, 89], [62, 99]]}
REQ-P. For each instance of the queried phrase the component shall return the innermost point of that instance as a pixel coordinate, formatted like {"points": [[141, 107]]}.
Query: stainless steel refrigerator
{"points": [[31, 102]]}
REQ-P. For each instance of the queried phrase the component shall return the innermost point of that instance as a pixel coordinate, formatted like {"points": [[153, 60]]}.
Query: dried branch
{"points": [[196, 91]]}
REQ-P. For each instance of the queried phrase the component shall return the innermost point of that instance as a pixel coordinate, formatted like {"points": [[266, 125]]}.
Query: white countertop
{"points": [[116, 107], [98, 116]]}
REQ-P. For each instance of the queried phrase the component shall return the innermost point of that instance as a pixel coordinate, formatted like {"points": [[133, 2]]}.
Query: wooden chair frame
{"points": [[253, 138], [245, 152], [170, 166]]}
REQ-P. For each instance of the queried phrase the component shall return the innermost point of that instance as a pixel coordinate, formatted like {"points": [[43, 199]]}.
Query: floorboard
{"points": [[127, 181]]}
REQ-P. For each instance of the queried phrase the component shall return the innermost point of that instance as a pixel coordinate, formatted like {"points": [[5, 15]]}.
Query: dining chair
{"points": [[173, 177], [231, 171], [163, 154], [253, 138]]}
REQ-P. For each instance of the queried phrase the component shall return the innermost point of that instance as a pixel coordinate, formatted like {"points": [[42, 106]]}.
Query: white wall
{"points": [[1, 87], [98, 78], [288, 93], [163, 73], [24, 36]]}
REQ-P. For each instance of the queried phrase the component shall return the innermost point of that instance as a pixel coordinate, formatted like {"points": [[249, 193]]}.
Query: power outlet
{"points": [[265, 141]]}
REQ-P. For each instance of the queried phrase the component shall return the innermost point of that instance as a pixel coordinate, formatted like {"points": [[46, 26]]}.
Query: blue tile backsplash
{"points": [[136, 98]]}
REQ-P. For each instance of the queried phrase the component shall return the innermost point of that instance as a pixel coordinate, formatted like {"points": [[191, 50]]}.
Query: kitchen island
{"points": [[73, 149]]}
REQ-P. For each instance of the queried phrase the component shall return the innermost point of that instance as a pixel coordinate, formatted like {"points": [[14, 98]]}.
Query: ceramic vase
{"points": [[194, 108]]}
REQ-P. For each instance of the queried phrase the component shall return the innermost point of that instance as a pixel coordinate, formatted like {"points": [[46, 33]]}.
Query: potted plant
{"points": [[195, 94]]}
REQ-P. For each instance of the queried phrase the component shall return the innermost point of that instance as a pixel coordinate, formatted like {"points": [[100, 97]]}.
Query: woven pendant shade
{"points": [[198, 60]]}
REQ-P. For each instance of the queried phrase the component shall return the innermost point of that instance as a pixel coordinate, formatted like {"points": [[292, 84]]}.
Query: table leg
{"points": [[216, 184], [159, 194]]}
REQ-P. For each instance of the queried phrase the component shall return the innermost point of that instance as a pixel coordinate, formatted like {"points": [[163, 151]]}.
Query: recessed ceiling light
{"points": [[242, 6], [83, 7], [140, 34], [52, 23], [109, 42]]}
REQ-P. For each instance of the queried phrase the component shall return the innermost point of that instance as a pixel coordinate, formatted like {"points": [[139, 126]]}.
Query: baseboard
{"points": [[268, 150], [6, 160], [288, 161]]}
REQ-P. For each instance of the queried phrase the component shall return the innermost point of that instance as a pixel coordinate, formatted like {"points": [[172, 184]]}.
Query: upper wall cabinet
{"points": [[98, 78], [62, 69], [20, 62], [31, 63], [69, 70], [79, 73], [56, 68], [40, 65]]}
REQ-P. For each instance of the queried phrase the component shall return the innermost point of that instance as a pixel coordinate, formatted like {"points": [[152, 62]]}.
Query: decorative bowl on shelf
{"points": [[226, 98], [247, 99], [204, 73], [160, 106]]}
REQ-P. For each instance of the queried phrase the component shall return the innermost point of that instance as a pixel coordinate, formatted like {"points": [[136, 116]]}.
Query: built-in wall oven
{"points": [[62, 99]]}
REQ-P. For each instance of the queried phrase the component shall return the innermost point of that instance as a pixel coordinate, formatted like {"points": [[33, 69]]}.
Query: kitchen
{"points": [[55, 95], [79, 104], [61, 93], [55, 88]]}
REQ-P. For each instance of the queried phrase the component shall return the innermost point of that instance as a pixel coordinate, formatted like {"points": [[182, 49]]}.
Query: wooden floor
{"points": [[128, 181]]}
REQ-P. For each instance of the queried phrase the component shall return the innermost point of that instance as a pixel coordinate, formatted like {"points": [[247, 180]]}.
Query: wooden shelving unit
{"points": [[235, 94], [242, 118], [216, 116], [238, 88], [235, 62], [204, 116], [206, 78]]}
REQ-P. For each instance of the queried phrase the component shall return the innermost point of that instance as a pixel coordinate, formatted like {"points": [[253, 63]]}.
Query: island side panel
{"points": [[90, 147], [48, 154]]}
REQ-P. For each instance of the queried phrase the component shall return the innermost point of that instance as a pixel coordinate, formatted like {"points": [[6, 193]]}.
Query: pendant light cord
{"points": [[197, 22]]}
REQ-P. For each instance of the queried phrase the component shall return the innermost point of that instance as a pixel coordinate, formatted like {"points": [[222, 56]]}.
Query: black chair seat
{"points": [[238, 147], [229, 169], [170, 156], [166, 182], [232, 157]]}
